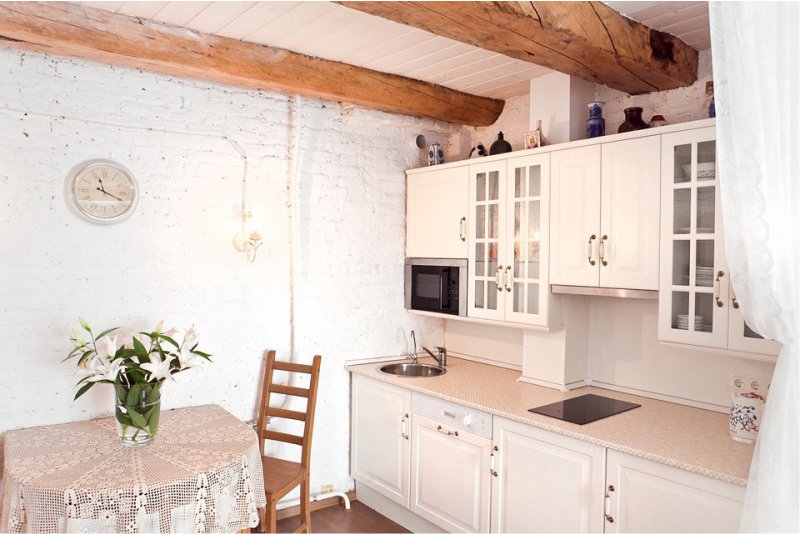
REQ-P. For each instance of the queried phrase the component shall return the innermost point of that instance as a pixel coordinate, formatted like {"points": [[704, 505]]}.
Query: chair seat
{"points": [[281, 476]]}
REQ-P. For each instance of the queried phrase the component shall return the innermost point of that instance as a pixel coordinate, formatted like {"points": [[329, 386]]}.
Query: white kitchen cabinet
{"points": [[605, 222], [380, 445], [652, 497], [696, 304], [450, 476], [544, 482], [509, 242], [436, 213]]}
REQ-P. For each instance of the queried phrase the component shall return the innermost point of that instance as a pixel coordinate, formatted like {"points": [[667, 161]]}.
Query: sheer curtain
{"points": [[756, 58]]}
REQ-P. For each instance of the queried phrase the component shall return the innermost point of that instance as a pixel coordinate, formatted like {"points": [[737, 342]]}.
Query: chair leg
{"points": [[262, 519], [305, 504], [268, 516]]}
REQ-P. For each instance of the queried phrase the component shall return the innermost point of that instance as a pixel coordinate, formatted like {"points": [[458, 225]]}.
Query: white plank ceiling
{"points": [[334, 32]]}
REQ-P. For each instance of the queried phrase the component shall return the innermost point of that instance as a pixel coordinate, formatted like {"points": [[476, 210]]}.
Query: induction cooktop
{"points": [[584, 409]]}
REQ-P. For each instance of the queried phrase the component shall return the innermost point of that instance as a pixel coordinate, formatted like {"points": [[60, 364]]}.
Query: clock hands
{"points": [[107, 193]]}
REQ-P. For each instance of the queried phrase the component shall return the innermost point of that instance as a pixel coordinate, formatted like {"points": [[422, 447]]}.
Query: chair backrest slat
{"points": [[307, 417]]}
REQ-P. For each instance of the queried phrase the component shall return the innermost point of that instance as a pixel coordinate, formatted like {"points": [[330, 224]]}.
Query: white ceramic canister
{"points": [[747, 410], [435, 154]]}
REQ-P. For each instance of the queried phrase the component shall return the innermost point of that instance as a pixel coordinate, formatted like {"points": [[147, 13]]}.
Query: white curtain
{"points": [[756, 59]]}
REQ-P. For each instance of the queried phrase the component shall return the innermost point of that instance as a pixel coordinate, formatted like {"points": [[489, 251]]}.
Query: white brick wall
{"points": [[174, 260]]}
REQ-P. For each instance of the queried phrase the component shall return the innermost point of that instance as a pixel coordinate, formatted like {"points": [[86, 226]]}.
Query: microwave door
{"points": [[427, 288]]}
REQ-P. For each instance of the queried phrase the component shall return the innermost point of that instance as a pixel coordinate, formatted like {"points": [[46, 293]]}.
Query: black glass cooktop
{"points": [[584, 409]]}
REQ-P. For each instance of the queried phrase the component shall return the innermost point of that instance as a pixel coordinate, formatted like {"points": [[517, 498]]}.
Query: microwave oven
{"points": [[436, 285]]}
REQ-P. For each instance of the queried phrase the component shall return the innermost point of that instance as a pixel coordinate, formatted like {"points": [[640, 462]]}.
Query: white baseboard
{"points": [[397, 513]]}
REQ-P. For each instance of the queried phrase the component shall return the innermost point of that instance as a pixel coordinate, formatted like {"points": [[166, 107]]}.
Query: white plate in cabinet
{"points": [[450, 476], [544, 482], [605, 215], [437, 213], [381, 429], [652, 497]]}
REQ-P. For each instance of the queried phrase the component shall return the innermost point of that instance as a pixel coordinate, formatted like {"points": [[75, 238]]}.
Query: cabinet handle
{"points": [[508, 275], [734, 302], [717, 284], [607, 505], [602, 248], [497, 278], [403, 426], [491, 461], [462, 228], [440, 430], [589, 251]]}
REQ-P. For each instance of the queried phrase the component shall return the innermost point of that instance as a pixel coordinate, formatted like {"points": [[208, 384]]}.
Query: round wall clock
{"points": [[101, 191]]}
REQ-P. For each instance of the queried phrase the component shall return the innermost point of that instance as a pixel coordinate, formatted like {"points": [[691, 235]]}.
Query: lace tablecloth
{"points": [[202, 474]]}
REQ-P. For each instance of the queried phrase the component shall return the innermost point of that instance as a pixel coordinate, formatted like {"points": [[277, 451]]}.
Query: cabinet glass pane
{"points": [[706, 160], [704, 265], [519, 182], [680, 262], [533, 260], [680, 310], [494, 182], [518, 273], [480, 187], [704, 312], [534, 219], [682, 211], [493, 226], [535, 188], [518, 297], [517, 218], [682, 155], [491, 300], [533, 298], [705, 210], [479, 293], [480, 259], [752, 334], [480, 222], [492, 268]]}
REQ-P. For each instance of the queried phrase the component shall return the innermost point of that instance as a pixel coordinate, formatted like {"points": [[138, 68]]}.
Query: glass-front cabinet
{"points": [[696, 306], [508, 261]]}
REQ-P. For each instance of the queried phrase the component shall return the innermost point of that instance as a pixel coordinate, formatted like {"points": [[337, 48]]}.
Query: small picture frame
{"points": [[532, 139]]}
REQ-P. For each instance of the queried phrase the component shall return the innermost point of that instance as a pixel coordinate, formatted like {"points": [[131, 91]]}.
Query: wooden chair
{"points": [[281, 476]]}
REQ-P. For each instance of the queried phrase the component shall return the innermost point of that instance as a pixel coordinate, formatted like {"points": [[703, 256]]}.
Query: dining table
{"points": [[202, 473]]}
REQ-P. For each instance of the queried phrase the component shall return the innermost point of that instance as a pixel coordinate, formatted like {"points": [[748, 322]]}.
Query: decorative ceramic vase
{"points": [[500, 146], [138, 408], [633, 121], [658, 120], [746, 411], [435, 154], [596, 125]]}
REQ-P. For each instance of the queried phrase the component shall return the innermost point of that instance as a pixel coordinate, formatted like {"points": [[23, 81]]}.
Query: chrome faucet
{"points": [[441, 357], [414, 354]]}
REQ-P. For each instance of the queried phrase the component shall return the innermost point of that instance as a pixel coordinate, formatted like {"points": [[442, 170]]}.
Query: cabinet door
{"points": [[450, 476], [575, 216], [436, 223], [652, 497], [528, 222], [742, 337], [485, 291], [629, 211], [545, 482], [693, 301], [380, 437]]}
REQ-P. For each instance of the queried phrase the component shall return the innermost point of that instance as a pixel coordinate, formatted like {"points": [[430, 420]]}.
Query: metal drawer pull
{"points": [[603, 250], [462, 227], [403, 426], [497, 278], [717, 284], [446, 432], [508, 272], [589, 251], [491, 461], [607, 505]]}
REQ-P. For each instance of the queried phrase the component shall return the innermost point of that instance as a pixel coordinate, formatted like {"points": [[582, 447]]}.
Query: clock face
{"points": [[101, 191]]}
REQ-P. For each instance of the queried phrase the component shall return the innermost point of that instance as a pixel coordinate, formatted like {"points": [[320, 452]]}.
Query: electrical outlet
{"points": [[758, 385], [738, 383]]}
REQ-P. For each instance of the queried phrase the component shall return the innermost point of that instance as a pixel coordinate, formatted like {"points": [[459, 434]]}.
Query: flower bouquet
{"points": [[137, 364]]}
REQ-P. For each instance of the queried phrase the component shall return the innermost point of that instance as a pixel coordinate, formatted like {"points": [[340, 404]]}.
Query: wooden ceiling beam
{"points": [[68, 29], [589, 40]]}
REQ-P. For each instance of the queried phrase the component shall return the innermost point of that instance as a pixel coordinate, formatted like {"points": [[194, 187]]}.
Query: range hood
{"points": [[605, 292]]}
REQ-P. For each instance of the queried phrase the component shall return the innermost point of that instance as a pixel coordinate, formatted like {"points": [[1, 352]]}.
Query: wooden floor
{"points": [[335, 519]]}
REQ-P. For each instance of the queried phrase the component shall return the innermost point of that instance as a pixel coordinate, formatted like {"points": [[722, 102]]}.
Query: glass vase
{"points": [[138, 408]]}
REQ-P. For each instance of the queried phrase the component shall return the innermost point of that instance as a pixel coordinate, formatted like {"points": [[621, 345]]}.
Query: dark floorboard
{"points": [[335, 519]]}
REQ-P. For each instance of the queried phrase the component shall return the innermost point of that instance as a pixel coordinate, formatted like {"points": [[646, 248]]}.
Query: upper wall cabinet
{"points": [[509, 204], [696, 302], [437, 213], [605, 215]]}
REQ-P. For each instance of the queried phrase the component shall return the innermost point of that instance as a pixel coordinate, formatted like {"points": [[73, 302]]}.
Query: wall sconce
{"points": [[248, 239]]}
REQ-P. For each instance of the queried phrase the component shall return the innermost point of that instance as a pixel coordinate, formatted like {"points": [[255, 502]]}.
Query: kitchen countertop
{"points": [[688, 438]]}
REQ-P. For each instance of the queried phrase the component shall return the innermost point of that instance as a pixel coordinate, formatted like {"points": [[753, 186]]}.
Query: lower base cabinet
{"points": [[450, 476], [544, 482], [652, 497]]}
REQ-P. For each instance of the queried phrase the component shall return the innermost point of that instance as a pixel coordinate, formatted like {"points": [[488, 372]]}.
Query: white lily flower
{"points": [[105, 370], [186, 358], [107, 347], [190, 337], [160, 326], [158, 368]]}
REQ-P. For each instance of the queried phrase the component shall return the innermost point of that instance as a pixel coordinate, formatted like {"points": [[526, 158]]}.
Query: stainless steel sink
{"points": [[413, 369]]}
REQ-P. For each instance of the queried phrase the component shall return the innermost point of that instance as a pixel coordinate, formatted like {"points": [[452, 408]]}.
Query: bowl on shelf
{"points": [[705, 171], [682, 321]]}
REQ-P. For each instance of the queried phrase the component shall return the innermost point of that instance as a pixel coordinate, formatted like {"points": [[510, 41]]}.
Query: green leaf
{"points": [[124, 419], [154, 394], [138, 420], [139, 348], [155, 413], [83, 390], [104, 332], [84, 356], [169, 340], [85, 325], [134, 395]]}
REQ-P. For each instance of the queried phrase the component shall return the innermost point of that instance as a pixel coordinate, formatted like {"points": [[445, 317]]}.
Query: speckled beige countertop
{"points": [[688, 438]]}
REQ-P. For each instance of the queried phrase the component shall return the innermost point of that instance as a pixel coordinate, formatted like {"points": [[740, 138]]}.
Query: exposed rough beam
{"points": [[68, 29], [585, 39]]}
